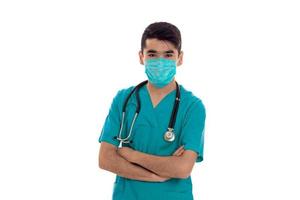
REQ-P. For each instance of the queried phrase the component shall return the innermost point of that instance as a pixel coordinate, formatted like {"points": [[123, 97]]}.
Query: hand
{"points": [[126, 153], [179, 151], [158, 178]]}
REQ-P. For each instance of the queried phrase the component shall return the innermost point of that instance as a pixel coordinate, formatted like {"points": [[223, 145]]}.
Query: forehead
{"points": [[159, 45]]}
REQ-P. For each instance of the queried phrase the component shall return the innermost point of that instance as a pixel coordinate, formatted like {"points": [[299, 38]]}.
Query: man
{"points": [[153, 165]]}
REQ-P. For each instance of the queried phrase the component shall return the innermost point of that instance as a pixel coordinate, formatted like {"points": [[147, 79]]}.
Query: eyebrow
{"points": [[154, 51]]}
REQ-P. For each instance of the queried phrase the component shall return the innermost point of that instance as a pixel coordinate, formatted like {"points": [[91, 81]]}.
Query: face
{"points": [[155, 48]]}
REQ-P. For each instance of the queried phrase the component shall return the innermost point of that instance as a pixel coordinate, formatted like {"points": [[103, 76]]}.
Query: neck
{"points": [[161, 91]]}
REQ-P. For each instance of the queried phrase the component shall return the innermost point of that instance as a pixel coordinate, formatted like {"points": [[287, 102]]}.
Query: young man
{"points": [[167, 135]]}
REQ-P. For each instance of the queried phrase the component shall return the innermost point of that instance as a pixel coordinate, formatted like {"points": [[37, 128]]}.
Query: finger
{"points": [[180, 152], [179, 149], [176, 152]]}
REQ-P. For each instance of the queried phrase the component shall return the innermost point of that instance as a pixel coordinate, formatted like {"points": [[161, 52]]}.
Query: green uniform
{"points": [[148, 137]]}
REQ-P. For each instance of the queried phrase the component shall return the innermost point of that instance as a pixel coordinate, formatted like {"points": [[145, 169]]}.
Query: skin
{"points": [[167, 166], [136, 165], [154, 49], [111, 160]]}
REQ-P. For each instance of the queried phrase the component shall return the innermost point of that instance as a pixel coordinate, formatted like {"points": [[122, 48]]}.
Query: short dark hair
{"points": [[162, 31]]}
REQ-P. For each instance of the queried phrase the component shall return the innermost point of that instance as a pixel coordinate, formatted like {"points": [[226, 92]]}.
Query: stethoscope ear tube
{"points": [[137, 111], [125, 140]]}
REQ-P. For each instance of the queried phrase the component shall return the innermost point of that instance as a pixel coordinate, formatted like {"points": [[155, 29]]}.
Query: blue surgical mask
{"points": [[160, 71]]}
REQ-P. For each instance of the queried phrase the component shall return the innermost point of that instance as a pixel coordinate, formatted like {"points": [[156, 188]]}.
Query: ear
{"points": [[180, 58], [141, 57]]}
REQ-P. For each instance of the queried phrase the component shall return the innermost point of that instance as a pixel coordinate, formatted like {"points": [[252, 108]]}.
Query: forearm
{"points": [[120, 166], [169, 166]]}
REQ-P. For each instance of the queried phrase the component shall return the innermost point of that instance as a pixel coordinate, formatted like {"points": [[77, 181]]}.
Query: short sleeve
{"points": [[112, 122], [193, 129]]}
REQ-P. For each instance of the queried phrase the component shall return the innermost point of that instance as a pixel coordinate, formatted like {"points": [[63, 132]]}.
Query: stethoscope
{"points": [[169, 136]]}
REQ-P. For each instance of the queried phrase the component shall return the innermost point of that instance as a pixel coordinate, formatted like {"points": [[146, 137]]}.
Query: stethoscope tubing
{"points": [[137, 111]]}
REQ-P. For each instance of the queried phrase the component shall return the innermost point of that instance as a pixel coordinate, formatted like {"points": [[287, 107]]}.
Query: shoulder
{"points": [[191, 100], [121, 95], [123, 92]]}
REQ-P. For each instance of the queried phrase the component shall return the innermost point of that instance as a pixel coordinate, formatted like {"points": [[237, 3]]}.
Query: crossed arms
{"points": [[136, 165]]}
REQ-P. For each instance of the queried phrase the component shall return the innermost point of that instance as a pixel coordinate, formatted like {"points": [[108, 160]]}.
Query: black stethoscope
{"points": [[169, 136]]}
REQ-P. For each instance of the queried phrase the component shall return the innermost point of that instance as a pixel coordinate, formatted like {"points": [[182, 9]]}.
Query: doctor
{"points": [[153, 164]]}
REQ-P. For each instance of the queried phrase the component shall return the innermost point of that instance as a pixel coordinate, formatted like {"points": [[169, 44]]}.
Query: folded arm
{"points": [[167, 166], [111, 161]]}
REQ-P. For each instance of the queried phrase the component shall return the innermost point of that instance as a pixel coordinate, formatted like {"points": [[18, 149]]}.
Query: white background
{"points": [[62, 62]]}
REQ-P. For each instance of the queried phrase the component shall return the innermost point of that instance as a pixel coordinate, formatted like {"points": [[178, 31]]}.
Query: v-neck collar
{"points": [[161, 101], [152, 112]]}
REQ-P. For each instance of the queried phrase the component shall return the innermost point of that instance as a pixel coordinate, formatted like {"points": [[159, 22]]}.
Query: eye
{"points": [[151, 55], [169, 55]]}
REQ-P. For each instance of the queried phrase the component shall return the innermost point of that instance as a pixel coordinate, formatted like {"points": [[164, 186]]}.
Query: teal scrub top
{"points": [[147, 136]]}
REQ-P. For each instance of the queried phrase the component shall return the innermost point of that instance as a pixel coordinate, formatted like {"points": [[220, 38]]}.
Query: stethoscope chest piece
{"points": [[169, 136]]}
